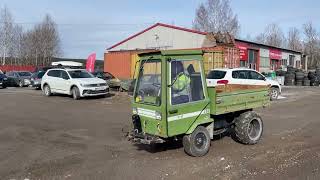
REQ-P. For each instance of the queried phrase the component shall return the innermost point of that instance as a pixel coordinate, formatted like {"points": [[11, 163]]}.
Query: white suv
{"points": [[242, 76], [75, 82]]}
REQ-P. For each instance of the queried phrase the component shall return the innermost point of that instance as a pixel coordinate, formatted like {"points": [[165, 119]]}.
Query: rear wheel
{"points": [[198, 143], [47, 90], [248, 128], [75, 93]]}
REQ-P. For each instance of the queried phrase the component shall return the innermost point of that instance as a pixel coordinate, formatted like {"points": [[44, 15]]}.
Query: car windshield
{"points": [[24, 73], [80, 74], [149, 83], [216, 74]]}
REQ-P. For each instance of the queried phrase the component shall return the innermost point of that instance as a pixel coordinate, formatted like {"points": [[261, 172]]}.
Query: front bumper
{"points": [[36, 84], [97, 91], [4, 83], [26, 82], [144, 138], [137, 136]]}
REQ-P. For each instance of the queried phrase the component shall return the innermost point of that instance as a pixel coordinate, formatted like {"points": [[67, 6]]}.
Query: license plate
{"points": [[99, 88], [5, 79]]}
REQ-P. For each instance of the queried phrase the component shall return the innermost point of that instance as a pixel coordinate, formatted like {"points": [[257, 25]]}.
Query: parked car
{"points": [[112, 81], [3, 80], [19, 78], [76, 82], [242, 76], [36, 79]]}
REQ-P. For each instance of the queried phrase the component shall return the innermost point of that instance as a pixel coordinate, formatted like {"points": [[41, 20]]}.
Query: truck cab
{"points": [[171, 101]]}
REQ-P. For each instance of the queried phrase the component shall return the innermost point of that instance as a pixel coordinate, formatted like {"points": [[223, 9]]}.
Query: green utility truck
{"points": [[171, 101]]}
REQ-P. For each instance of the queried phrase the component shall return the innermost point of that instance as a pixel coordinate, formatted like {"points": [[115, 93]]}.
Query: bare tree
{"points": [[311, 43], [294, 39], [216, 16], [272, 36], [15, 48], [41, 43], [6, 33]]}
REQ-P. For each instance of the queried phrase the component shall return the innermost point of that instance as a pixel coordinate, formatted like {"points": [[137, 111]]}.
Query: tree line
{"points": [[36, 46], [217, 16]]}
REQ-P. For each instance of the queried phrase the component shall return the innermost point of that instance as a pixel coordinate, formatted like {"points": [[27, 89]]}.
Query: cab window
{"points": [[148, 89], [186, 81]]}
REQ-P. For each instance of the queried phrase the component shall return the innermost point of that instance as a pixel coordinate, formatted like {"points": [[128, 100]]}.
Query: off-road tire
{"points": [[274, 93], [47, 90], [197, 143], [75, 93], [242, 128]]}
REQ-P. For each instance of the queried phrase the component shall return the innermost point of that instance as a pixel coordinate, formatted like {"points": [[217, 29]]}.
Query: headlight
{"points": [[84, 85], [134, 110], [158, 115], [103, 84], [26, 80]]}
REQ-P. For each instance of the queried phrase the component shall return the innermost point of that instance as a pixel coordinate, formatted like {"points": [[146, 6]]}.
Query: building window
{"points": [[274, 64], [243, 63], [291, 60], [264, 62], [283, 62]]}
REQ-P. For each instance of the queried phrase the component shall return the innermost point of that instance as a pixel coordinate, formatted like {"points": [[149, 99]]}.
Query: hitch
{"points": [[142, 138]]}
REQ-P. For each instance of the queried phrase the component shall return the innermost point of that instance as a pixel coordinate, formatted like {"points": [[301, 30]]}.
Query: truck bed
{"points": [[231, 98]]}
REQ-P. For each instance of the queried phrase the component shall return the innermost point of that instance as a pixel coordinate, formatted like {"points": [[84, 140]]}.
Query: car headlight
{"points": [[84, 85], [103, 84], [26, 80]]}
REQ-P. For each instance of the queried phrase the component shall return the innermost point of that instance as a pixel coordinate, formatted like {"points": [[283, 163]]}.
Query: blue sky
{"points": [[92, 26]]}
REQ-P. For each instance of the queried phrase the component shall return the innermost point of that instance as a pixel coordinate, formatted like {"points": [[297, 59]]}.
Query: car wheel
{"points": [[21, 84], [248, 128], [75, 93], [47, 90], [274, 93], [197, 143]]}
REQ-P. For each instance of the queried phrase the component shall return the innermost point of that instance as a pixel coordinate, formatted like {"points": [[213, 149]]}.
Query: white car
{"points": [[75, 82], [242, 76]]}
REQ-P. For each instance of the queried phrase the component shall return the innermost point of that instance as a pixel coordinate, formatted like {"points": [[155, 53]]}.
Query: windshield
{"points": [[149, 83], [80, 74], [40, 74], [24, 73]]}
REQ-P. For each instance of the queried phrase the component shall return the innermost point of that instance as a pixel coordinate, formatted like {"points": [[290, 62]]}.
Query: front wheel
{"points": [[248, 128], [21, 84], [75, 93], [274, 93], [198, 143]]}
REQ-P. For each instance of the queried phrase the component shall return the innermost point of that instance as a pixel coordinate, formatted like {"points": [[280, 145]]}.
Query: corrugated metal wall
{"points": [[122, 64], [118, 64], [231, 57]]}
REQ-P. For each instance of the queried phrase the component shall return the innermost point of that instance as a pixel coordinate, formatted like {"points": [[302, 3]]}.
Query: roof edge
{"points": [[153, 26]]}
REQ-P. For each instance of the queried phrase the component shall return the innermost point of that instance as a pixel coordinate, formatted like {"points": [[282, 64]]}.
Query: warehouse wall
{"points": [[163, 37]]}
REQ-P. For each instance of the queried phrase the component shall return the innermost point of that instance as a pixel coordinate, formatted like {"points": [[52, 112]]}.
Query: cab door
{"points": [[187, 95]]}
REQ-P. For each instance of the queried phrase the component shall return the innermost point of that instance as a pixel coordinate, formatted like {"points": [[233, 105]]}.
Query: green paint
{"points": [[184, 118]]}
